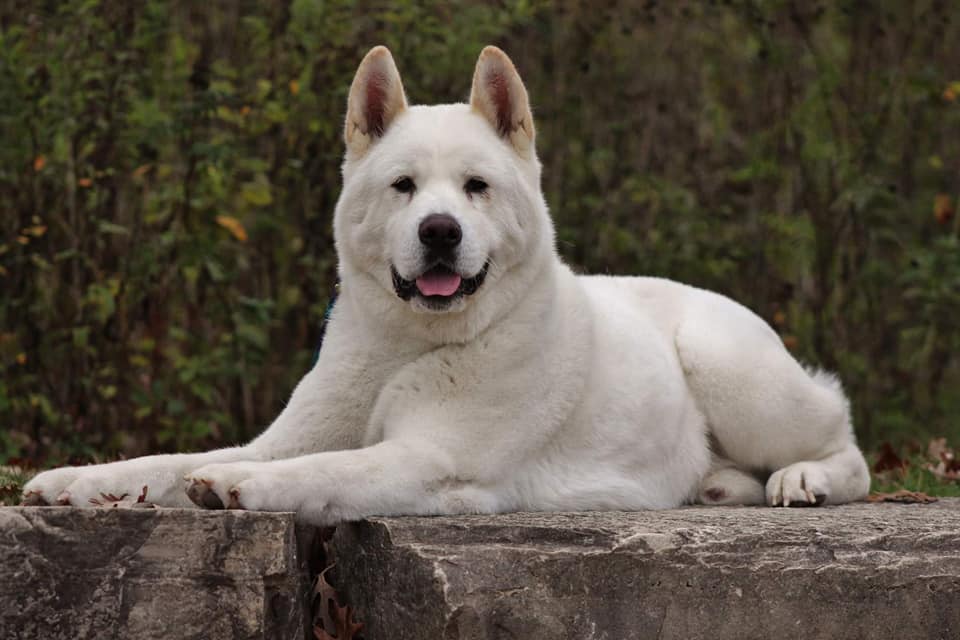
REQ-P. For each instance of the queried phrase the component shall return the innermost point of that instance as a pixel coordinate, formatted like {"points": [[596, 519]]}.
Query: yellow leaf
{"points": [[234, 226], [244, 110], [21, 358], [142, 169], [84, 182], [39, 163], [23, 239], [36, 231], [294, 87], [950, 94]]}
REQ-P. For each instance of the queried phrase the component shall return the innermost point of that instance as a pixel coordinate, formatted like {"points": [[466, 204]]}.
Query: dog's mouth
{"points": [[438, 284]]}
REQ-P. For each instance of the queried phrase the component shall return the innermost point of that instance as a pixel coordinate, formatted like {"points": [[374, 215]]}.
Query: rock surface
{"points": [[145, 573], [856, 571]]}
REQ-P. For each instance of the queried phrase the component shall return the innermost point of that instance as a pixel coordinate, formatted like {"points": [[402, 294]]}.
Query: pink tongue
{"points": [[438, 283]]}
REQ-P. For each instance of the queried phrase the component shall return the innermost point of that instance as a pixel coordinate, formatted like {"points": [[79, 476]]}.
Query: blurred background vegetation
{"points": [[168, 171]]}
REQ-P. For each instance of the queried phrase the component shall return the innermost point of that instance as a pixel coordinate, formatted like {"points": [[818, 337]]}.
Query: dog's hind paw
{"points": [[728, 486], [803, 484]]}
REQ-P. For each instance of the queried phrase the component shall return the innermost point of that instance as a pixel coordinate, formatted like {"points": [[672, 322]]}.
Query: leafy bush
{"points": [[169, 170]]}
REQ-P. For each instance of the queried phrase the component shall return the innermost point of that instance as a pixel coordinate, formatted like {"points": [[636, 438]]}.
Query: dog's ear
{"points": [[499, 96], [376, 98]]}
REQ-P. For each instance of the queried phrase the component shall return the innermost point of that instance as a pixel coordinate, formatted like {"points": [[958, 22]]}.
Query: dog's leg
{"points": [[92, 486], [455, 426], [766, 413], [725, 484], [319, 417], [408, 477], [834, 479]]}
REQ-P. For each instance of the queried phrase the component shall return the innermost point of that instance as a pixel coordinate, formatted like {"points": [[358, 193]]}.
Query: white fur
{"points": [[542, 391]]}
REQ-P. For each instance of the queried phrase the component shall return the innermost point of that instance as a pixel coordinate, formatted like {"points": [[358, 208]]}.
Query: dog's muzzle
{"points": [[436, 283]]}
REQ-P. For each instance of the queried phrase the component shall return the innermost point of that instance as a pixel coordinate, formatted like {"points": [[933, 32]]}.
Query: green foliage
{"points": [[169, 170], [915, 477], [934, 471], [12, 480]]}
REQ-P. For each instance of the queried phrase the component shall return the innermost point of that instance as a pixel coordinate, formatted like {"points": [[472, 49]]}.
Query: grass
{"points": [[934, 470], [12, 480]]}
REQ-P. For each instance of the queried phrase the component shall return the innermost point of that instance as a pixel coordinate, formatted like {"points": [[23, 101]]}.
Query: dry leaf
{"points": [[943, 471], [937, 449], [943, 208], [903, 495], [943, 460], [331, 617], [84, 182], [234, 226], [888, 459], [325, 593], [39, 163]]}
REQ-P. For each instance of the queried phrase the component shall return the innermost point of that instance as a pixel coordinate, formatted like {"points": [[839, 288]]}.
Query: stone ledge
{"points": [[151, 573], [855, 571]]}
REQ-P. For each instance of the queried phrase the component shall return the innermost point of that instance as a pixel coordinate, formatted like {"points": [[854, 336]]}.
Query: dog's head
{"points": [[441, 212]]}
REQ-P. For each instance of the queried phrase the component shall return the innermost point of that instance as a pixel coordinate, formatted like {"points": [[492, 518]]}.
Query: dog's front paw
{"points": [[48, 488], [803, 484], [240, 485], [96, 488]]}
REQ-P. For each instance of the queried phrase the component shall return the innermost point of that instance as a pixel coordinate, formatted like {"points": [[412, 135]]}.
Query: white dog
{"points": [[466, 369]]}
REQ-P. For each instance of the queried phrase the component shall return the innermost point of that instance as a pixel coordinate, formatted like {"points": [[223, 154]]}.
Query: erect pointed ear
{"points": [[499, 96], [376, 98]]}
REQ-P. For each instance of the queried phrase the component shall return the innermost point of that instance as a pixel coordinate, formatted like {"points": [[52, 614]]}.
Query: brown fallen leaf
{"points": [[948, 471], [937, 449], [887, 459], [330, 616], [903, 495]]}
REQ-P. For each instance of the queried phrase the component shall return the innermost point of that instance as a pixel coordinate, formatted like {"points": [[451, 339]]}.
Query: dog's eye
{"points": [[475, 185], [404, 184]]}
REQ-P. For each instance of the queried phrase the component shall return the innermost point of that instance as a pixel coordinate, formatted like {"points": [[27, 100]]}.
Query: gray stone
{"points": [[856, 571], [151, 573]]}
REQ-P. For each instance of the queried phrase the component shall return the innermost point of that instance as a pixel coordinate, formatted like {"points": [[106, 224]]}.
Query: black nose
{"points": [[440, 231]]}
